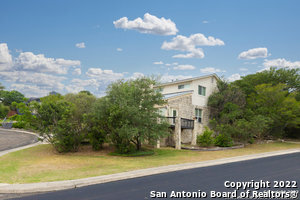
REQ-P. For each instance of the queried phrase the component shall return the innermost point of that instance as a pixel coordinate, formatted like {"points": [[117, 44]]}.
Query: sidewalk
{"points": [[61, 185]]}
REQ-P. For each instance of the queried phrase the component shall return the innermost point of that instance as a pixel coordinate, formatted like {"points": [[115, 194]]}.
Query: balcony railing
{"points": [[185, 123]]}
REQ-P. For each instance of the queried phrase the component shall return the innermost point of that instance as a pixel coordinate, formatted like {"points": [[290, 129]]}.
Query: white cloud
{"points": [[184, 67], [119, 49], [243, 69], [281, 63], [136, 75], [5, 57], [38, 79], [189, 45], [103, 75], [30, 90], [254, 53], [150, 24], [80, 45], [234, 77], [77, 71], [169, 78], [205, 22], [211, 70], [39, 63], [158, 63]]}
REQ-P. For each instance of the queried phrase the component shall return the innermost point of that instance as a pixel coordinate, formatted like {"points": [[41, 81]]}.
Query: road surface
{"points": [[10, 139]]}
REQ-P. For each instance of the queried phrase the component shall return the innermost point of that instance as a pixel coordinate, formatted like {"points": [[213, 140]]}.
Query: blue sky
{"points": [[68, 46]]}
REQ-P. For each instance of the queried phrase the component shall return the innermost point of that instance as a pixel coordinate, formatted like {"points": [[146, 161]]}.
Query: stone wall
{"points": [[186, 109]]}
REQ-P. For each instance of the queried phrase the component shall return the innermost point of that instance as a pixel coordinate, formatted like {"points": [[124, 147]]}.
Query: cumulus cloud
{"points": [[43, 80], [184, 67], [150, 24], [234, 77], [77, 71], [80, 45], [189, 45], [211, 70], [39, 63], [103, 75], [5, 57], [31, 90], [136, 75], [281, 63], [158, 63], [119, 49], [254, 53]]}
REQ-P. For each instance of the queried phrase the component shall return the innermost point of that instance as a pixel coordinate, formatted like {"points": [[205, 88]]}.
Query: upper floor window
{"points": [[183, 86], [201, 90]]}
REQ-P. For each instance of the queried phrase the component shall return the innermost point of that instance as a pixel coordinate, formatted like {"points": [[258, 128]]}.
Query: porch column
{"points": [[158, 144], [194, 133], [178, 133]]}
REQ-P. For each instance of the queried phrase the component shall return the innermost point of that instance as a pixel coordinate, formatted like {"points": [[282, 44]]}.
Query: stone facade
{"points": [[183, 97]]}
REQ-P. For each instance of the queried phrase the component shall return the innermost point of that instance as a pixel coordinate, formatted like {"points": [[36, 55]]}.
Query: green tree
{"points": [[131, 115], [3, 110], [289, 77], [8, 97], [276, 103], [52, 119]]}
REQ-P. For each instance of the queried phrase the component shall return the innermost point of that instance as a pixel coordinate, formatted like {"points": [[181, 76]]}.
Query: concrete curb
{"points": [[61, 185]]}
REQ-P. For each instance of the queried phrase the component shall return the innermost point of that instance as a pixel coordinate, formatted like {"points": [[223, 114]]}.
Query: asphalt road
{"points": [[11, 139], [277, 168]]}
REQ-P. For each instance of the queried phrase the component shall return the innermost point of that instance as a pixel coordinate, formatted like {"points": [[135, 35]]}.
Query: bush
{"points": [[3, 110], [206, 139], [223, 140]]}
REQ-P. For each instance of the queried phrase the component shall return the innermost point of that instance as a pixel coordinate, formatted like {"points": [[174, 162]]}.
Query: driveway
{"points": [[11, 139]]}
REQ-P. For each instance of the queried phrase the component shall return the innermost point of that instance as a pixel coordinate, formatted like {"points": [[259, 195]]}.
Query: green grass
{"points": [[41, 163]]}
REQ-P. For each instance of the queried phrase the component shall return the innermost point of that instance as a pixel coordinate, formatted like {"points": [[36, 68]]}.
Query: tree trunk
{"points": [[138, 145]]}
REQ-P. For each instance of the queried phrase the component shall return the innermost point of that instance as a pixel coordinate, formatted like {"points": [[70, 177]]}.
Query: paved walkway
{"points": [[11, 139]]}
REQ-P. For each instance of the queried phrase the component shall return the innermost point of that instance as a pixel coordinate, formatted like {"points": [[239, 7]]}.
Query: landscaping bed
{"points": [[213, 148]]}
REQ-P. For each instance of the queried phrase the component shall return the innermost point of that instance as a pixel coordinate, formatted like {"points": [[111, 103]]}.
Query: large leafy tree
{"points": [[276, 103], [130, 113], [8, 97], [289, 77]]}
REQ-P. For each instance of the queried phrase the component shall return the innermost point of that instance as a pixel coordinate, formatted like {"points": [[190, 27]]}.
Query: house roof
{"points": [[176, 94], [187, 80]]}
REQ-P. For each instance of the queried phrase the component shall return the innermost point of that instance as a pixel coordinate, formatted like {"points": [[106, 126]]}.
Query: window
{"points": [[180, 87], [183, 86], [201, 90], [198, 114]]}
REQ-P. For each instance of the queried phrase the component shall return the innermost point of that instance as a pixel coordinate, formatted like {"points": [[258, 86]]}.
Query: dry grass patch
{"points": [[41, 163]]}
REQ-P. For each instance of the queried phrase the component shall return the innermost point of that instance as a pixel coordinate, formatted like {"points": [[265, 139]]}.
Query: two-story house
{"points": [[186, 107]]}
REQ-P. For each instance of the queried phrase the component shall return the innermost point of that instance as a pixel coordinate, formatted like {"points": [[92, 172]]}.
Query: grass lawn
{"points": [[41, 163]]}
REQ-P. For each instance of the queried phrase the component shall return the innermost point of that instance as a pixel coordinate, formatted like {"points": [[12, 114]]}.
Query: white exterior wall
{"points": [[197, 99], [173, 88], [200, 100]]}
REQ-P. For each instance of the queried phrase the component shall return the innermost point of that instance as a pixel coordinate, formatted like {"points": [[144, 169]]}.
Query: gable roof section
{"points": [[186, 80]]}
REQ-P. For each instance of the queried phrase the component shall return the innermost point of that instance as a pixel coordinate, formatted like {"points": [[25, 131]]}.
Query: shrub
{"points": [[223, 140], [206, 139], [3, 110]]}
